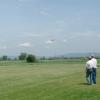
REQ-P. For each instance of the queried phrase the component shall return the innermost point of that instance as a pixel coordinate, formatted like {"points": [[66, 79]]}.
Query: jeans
{"points": [[94, 75], [89, 76]]}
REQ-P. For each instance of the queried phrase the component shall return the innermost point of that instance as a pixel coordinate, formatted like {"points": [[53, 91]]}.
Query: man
{"points": [[89, 65], [94, 67]]}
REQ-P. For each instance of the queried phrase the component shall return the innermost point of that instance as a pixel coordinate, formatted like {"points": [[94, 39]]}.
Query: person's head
{"points": [[89, 58], [92, 56]]}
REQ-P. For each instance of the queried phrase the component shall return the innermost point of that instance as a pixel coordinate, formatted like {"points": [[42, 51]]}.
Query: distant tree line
{"points": [[62, 57], [29, 58]]}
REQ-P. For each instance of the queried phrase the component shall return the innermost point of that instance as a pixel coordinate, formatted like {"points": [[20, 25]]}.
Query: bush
{"points": [[31, 58], [22, 56]]}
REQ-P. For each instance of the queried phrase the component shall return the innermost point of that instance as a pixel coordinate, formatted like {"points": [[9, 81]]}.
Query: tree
{"points": [[4, 58], [31, 58], [22, 56]]}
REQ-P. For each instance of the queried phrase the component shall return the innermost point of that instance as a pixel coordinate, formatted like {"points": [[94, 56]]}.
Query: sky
{"points": [[49, 27]]}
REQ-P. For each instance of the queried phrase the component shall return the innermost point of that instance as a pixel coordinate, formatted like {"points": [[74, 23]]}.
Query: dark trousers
{"points": [[89, 76], [94, 75]]}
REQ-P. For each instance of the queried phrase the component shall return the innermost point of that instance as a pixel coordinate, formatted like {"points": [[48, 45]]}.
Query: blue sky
{"points": [[49, 27]]}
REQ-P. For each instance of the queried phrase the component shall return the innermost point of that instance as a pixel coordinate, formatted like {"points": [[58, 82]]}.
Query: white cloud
{"points": [[49, 41], [3, 47], [36, 35], [44, 13], [47, 47], [27, 44], [61, 22], [33, 35], [29, 35], [82, 34], [64, 41]]}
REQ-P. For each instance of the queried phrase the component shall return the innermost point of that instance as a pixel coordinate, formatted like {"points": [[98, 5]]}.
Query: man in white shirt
{"points": [[89, 65], [94, 67]]}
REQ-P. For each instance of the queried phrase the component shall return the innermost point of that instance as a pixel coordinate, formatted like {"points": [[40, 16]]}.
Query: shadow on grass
{"points": [[84, 84]]}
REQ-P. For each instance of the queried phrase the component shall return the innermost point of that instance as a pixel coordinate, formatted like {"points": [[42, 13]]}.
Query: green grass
{"points": [[46, 81]]}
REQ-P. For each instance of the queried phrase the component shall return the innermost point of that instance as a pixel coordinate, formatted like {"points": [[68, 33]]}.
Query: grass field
{"points": [[46, 81]]}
